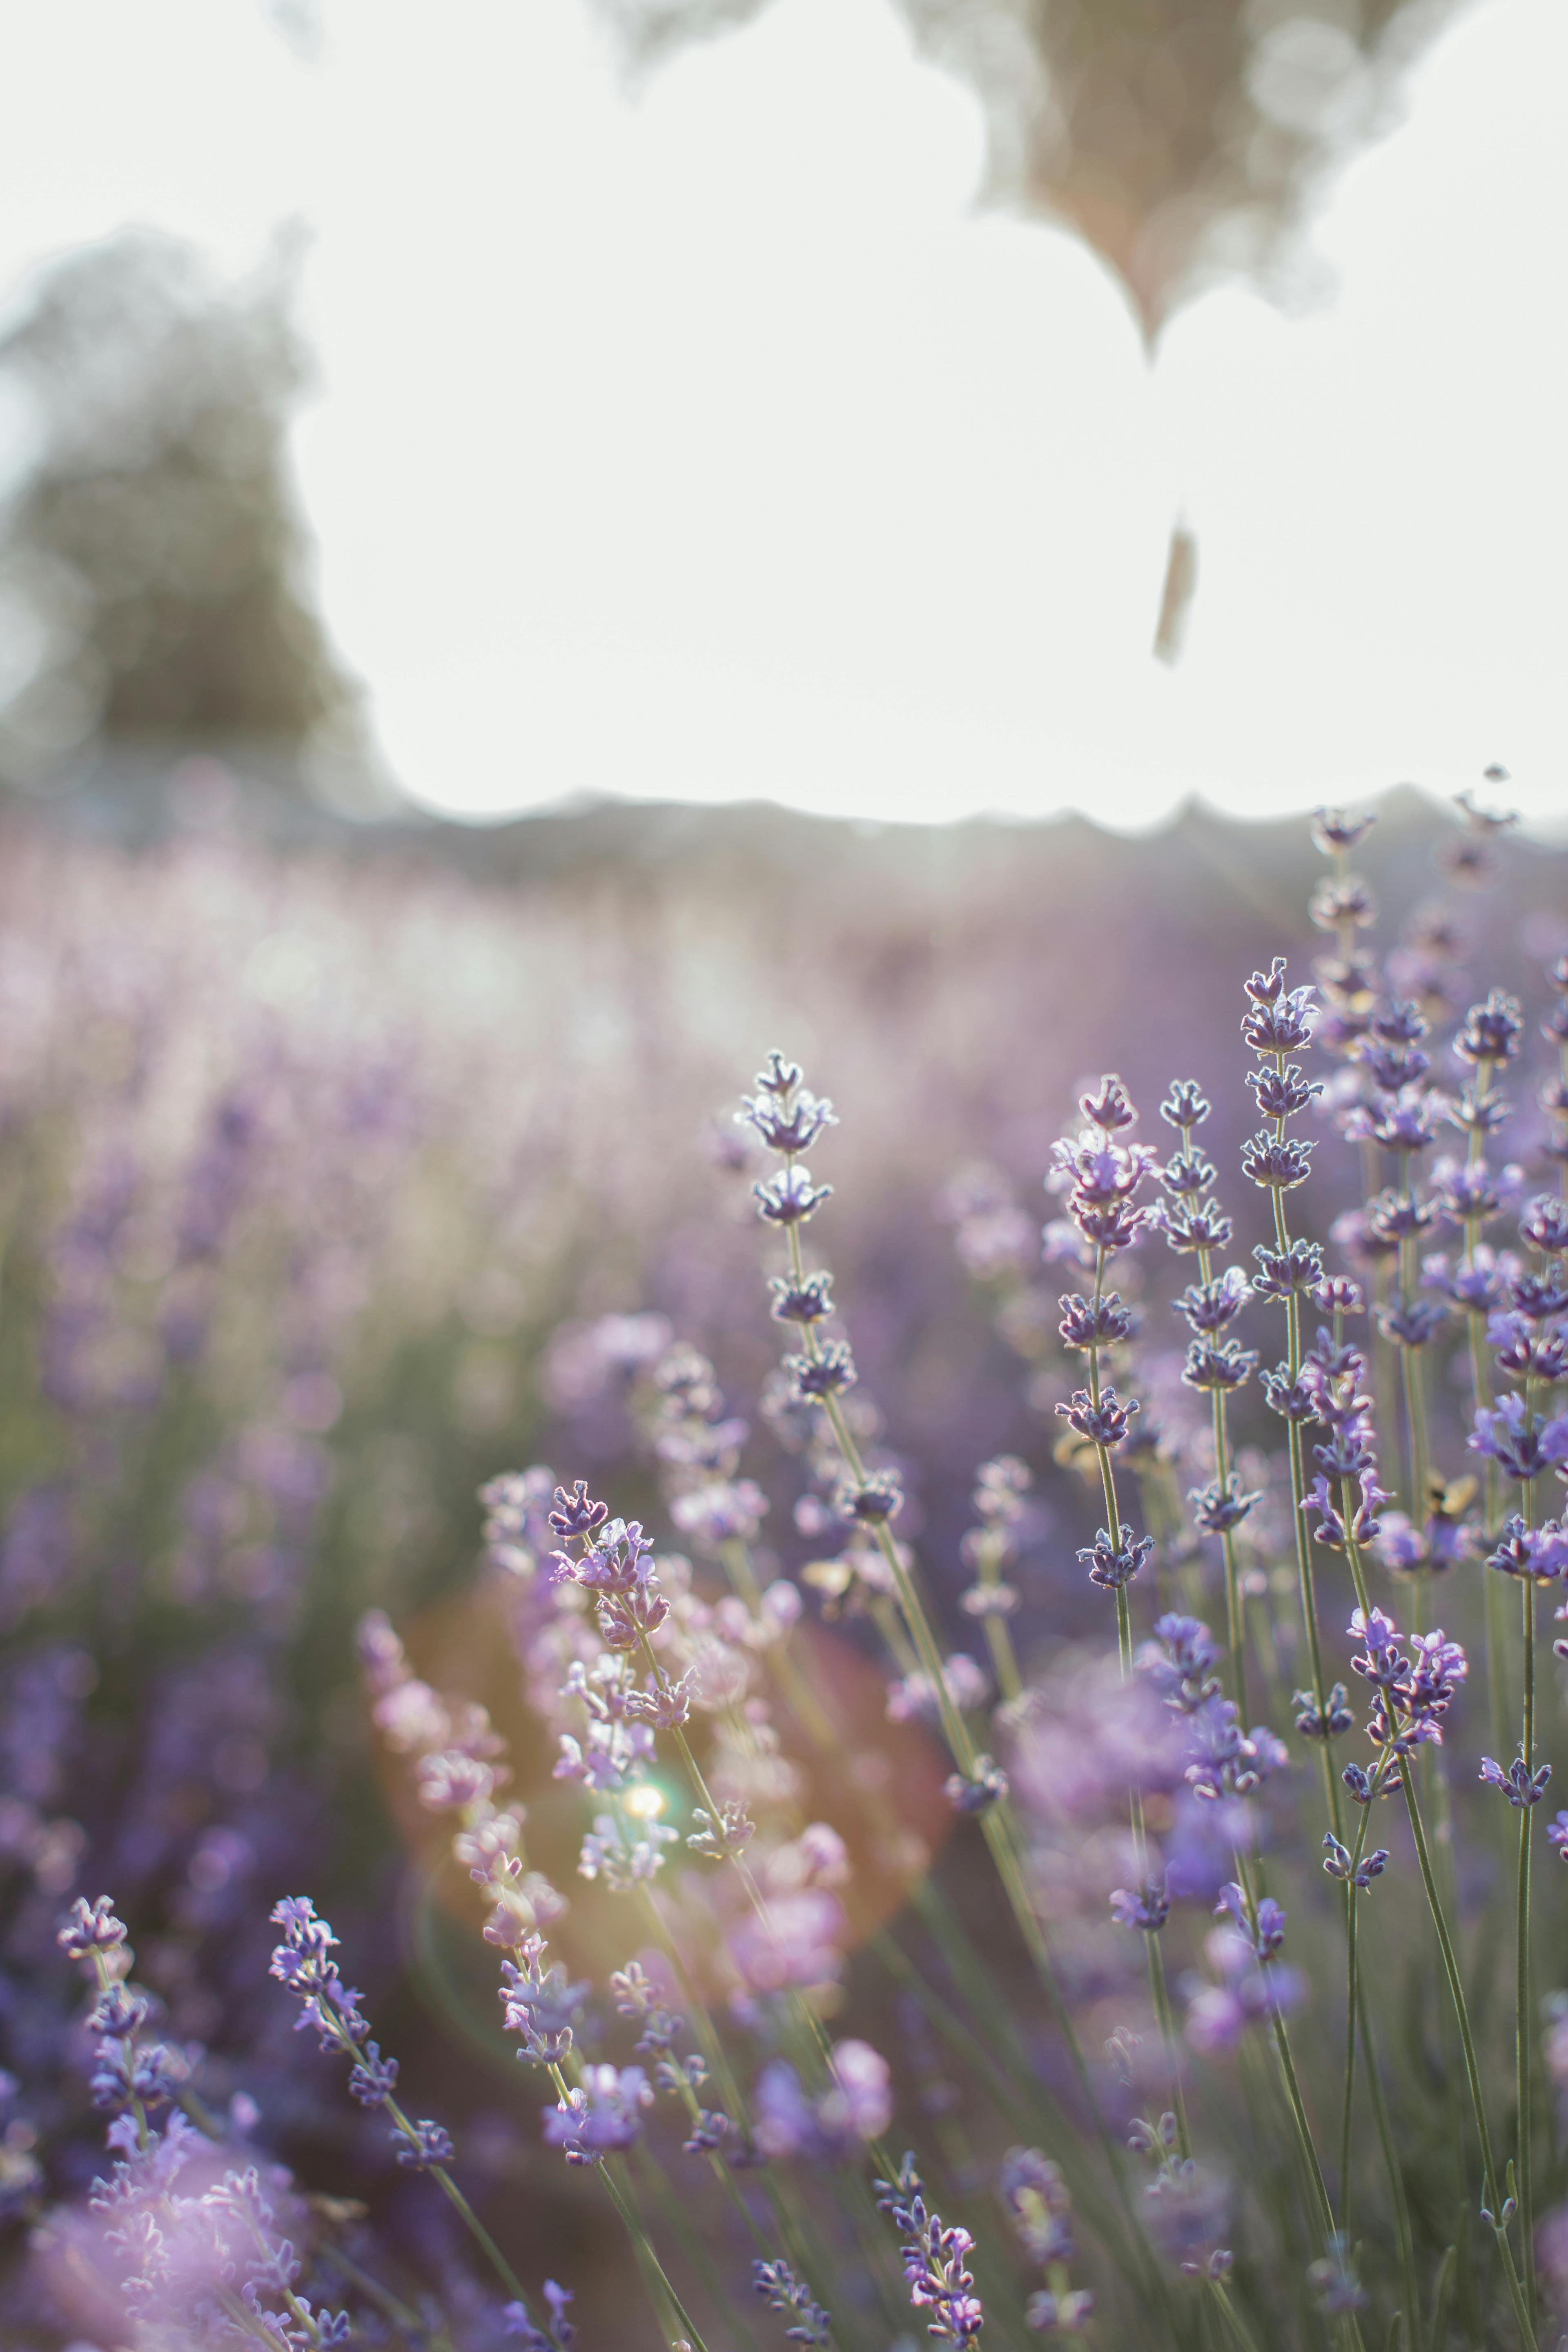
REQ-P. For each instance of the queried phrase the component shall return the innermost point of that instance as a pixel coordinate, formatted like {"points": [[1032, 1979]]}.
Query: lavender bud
{"points": [[976, 1792], [1276, 1164], [1492, 1030], [827, 1374], [1184, 1106], [809, 1301], [1217, 1508], [1219, 1366], [1544, 1225], [1109, 1109], [1282, 1274], [1211, 1306], [1282, 1093], [1336, 832], [1094, 1324], [1326, 1722], [789, 1197], [90, 1928], [1114, 1565], [1522, 1788], [1105, 1423], [872, 1502], [574, 1515]]}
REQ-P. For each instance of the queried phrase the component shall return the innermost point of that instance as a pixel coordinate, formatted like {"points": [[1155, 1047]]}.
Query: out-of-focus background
{"points": [[896, 408], [546, 550]]}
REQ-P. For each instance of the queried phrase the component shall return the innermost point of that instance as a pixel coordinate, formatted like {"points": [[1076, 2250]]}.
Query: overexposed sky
{"points": [[709, 441]]}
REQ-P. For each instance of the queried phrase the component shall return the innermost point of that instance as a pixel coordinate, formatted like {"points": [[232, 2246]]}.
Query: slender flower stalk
{"points": [[788, 1119], [1498, 2211]]}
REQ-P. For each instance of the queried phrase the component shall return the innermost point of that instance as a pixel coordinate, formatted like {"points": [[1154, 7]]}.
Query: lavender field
{"points": [[701, 1643]]}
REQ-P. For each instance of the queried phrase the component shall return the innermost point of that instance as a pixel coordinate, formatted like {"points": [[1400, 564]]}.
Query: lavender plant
{"points": [[894, 1945]]}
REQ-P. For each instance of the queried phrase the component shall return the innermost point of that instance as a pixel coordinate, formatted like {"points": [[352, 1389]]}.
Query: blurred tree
{"points": [[1180, 138], [153, 567]]}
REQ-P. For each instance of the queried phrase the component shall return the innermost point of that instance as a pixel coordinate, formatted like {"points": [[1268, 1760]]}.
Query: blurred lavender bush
{"points": [[796, 1790]]}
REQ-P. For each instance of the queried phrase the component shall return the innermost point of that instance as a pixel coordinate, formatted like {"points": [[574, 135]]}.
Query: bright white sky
{"points": [[708, 442]]}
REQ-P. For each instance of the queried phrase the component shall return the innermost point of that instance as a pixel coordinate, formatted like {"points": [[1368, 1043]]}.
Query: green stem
{"points": [[1232, 2318], [1235, 1625], [1491, 2181], [642, 2244], [1524, 2034], [1352, 1990], [997, 1823], [1314, 2170], [1298, 1510]]}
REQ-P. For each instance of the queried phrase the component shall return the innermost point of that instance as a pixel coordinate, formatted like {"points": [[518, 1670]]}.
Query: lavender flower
{"points": [[1411, 1693], [1540, 1552], [1263, 1926], [1545, 1225], [1217, 1507], [1280, 1020], [1341, 1864], [601, 2115], [1226, 1761], [1522, 1787], [976, 1792], [783, 2291], [1146, 1907], [1038, 2205], [790, 1197], [1492, 1030], [934, 2256], [1103, 1323], [1113, 1565], [1523, 1442], [1106, 1423]]}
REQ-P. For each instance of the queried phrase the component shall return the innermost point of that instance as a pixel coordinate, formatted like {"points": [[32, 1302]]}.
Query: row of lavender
{"points": [[753, 1824]]}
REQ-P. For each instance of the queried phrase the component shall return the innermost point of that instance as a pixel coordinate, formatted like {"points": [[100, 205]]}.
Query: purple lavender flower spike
{"points": [[1265, 1930], [1327, 1722], [1105, 1423], [1523, 1442], [872, 1501], [1146, 1907], [1184, 1107], [1109, 1109], [1219, 1365], [1340, 1862], [91, 1928], [1277, 1164], [1210, 1308], [601, 2116], [574, 1514], [1522, 1787], [787, 1118], [1280, 1020], [1110, 1565], [808, 1301], [1282, 1093], [1103, 1323], [778, 2284], [934, 2256], [1544, 1225], [1217, 1507], [425, 2145], [789, 1197], [1412, 1322], [1492, 1030], [828, 1373], [1285, 1273], [976, 1792]]}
